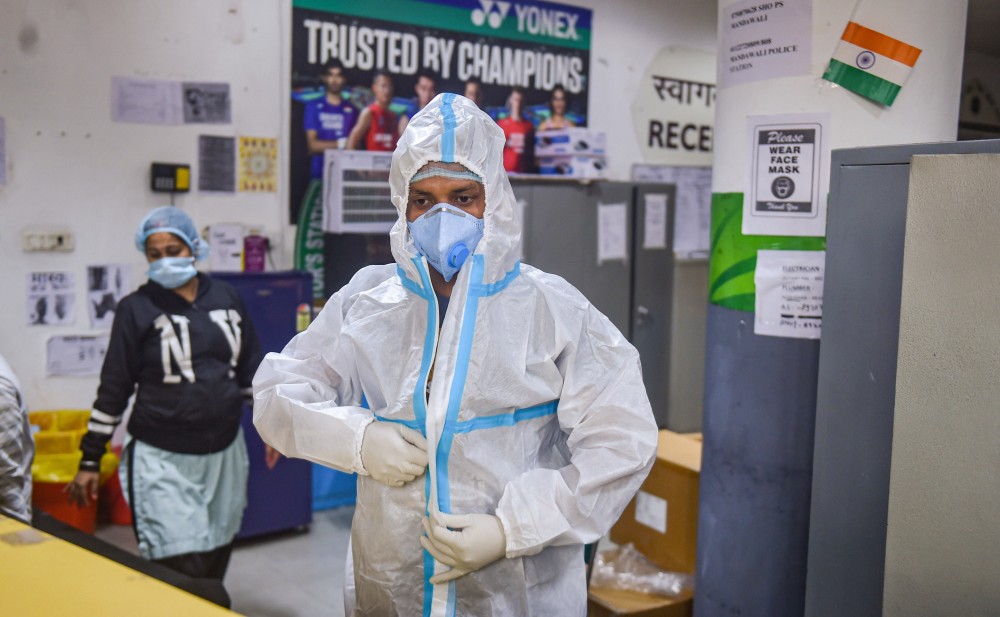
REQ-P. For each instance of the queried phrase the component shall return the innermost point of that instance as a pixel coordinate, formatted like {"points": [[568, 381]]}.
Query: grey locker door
{"points": [[560, 237], [652, 290], [856, 389]]}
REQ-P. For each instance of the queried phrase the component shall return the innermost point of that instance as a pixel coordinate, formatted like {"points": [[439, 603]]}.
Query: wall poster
{"points": [[789, 175], [427, 47]]}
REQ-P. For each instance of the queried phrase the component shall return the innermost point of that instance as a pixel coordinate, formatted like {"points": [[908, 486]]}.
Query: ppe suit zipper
{"points": [[433, 321], [437, 332]]}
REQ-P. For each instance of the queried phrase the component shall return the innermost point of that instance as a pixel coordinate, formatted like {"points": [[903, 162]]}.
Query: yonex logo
{"points": [[531, 19], [865, 60], [491, 12]]}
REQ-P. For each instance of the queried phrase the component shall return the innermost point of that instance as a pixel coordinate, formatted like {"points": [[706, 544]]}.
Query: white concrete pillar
{"points": [[760, 390]]}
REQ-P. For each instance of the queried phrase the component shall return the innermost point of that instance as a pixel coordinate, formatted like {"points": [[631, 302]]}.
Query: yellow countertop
{"points": [[44, 575]]}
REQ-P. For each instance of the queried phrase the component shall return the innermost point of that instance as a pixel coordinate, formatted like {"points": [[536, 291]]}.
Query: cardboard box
{"points": [[662, 520], [577, 140], [572, 166], [615, 602]]}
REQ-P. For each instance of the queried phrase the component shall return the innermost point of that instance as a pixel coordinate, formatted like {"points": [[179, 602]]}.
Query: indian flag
{"points": [[871, 64]]}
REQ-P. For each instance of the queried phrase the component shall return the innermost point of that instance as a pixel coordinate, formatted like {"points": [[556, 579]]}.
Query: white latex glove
{"points": [[466, 542], [392, 453]]}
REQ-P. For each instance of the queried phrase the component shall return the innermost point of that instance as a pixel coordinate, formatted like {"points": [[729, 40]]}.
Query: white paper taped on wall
{"points": [[789, 299], [788, 176], [654, 234], [612, 232], [75, 356], [51, 299], [106, 286]]}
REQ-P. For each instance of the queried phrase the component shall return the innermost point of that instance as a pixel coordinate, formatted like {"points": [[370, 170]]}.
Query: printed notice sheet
{"points": [[764, 40], [789, 293], [75, 356], [692, 207], [216, 163], [146, 101], [789, 162], [206, 103], [655, 221], [51, 299], [106, 286], [612, 232]]}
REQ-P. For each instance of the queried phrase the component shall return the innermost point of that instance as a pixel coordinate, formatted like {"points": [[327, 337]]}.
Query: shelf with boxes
{"points": [[574, 152]]}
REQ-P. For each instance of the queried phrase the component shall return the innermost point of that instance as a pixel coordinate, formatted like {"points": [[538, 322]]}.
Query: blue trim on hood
{"points": [[410, 284], [448, 138], [492, 289]]}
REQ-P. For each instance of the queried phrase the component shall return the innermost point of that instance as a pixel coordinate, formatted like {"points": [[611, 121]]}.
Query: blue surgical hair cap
{"points": [[173, 220], [445, 170]]}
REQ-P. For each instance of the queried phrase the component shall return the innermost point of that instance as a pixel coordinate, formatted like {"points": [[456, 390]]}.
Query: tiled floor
{"points": [[286, 575]]}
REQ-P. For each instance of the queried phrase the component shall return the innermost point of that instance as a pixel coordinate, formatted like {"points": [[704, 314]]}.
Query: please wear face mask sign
{"points": [[446, 236], [172, 272]]}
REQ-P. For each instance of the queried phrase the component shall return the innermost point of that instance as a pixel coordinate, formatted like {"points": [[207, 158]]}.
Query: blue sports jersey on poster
{"points": [[331, 122]]}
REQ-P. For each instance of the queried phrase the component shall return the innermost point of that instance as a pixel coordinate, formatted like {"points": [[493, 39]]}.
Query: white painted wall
{"points": [[926, 109], [70, 167], [627, 36]]}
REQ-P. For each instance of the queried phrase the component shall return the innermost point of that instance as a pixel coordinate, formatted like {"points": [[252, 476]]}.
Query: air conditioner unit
{"points": [[356, 197]]}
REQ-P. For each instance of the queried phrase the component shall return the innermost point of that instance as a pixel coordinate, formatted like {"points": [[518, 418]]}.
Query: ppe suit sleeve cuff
{"points": [[359, 466], [511, 551]]}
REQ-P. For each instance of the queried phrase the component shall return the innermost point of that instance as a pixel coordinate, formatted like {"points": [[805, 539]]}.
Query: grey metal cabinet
{"points": [[857, 375], [560, 235]]}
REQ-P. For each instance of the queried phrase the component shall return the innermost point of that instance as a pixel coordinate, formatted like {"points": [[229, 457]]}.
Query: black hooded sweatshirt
{"points": [[193, 363]]}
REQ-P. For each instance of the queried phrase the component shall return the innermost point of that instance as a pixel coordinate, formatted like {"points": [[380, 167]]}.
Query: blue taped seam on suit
{"points": [[448, 138], [496, 421], [419, 405], [492, 289], [508, 419], [476, 290], [409, 284], [458, 384], [428, 570], [455, 398]]}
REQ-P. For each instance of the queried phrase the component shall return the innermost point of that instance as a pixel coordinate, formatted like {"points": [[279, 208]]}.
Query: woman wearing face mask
{"points": [[187, 342]]}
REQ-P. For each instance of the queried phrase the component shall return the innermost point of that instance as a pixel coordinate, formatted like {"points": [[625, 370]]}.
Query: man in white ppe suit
{"points": [[492, 439]]}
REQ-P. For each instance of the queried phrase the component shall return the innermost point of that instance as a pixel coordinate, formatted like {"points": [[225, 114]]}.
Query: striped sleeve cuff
{"points": [[103, 423]]}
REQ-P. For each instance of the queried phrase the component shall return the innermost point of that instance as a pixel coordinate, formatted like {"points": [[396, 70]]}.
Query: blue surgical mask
{"points": [[446, 236], [172, 272]]}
